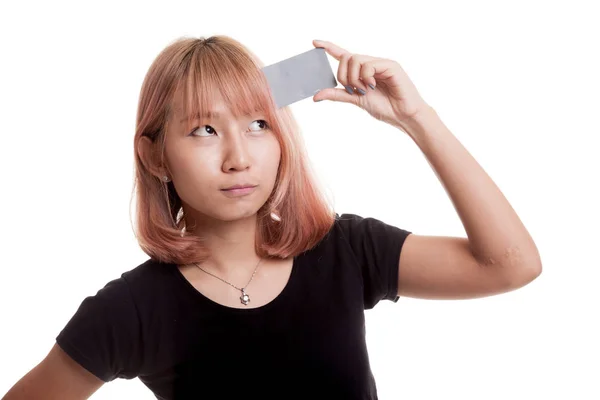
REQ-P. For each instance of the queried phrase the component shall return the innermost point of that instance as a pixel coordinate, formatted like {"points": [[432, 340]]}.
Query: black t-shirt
{"points": [[308, 343]]}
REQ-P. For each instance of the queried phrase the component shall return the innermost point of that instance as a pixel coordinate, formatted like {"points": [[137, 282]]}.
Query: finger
{"points": [[333, 50], [378, 68], [335, 94], [355, 64], [342, 73], [367, 74]]}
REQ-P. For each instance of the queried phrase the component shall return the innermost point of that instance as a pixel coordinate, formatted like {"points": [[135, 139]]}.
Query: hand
{"points": [[393, 98]]}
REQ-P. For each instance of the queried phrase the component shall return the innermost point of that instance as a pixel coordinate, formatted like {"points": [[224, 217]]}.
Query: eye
{"points": [[209, 129], [262, 123]]}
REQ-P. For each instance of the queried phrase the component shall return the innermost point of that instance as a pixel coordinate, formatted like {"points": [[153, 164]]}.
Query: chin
{"points": [[228, 210], [233, 212]]}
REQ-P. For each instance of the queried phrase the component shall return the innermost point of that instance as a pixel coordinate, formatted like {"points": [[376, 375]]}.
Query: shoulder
{"points": [[354, 227], [150, 283], [362, 235], [344, 225], [149, 272], [122, 295]]}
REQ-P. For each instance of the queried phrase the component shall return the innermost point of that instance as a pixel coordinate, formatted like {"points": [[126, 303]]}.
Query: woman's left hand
{"points": [[395, 98]]}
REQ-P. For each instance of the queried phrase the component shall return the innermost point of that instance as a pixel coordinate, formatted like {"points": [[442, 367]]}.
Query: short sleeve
{"points": [[103, 335], [376, 247]]}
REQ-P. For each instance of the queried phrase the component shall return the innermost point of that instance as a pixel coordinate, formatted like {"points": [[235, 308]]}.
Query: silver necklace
{"points": [[245, 299]]}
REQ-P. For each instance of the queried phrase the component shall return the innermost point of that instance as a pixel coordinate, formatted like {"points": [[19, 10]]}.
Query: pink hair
{"points": [[197, 66]]}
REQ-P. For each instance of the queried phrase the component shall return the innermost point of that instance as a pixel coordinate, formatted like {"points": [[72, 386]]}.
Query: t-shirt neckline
{"points": [[285, 292]]}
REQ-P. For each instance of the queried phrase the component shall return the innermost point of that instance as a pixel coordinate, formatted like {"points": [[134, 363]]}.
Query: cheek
{"points": [[270, 163], [191, 165], [272, 153], [274, 162]]}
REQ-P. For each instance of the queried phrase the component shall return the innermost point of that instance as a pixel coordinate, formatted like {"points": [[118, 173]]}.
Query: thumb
{"points": [[335, 94]]}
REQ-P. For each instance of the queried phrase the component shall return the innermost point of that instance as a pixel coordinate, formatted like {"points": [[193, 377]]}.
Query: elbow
{"points": [[533, 265], [525, 273], [525, 264], [533, 271]]}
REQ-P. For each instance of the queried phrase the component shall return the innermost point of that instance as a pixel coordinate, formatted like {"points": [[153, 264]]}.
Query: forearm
{"points": [[496, 234]]}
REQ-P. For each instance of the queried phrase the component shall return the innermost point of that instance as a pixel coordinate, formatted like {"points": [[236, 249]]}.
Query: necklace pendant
{"points": [[244, 298]]}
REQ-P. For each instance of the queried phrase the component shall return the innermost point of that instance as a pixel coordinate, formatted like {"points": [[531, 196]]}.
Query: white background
{"points": [[516, 82]]}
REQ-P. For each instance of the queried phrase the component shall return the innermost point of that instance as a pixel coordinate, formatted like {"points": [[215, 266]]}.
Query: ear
{"points": [[149, 154]]}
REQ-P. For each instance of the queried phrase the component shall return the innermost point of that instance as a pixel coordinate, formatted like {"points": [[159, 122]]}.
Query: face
{"points": [[217, 152]]}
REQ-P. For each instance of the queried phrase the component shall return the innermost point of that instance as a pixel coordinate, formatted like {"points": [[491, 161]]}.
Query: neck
{"points": [[231, 245]]}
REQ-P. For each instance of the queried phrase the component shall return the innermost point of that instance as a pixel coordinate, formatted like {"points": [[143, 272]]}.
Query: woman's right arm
{"points": [[58, 376]]}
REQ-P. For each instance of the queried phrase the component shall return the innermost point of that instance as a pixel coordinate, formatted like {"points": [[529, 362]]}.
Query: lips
{"points": [[241, 186], [239, 191]]}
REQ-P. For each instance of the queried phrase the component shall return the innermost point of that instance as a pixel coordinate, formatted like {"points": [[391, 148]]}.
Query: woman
{"points": [[255, 287]]}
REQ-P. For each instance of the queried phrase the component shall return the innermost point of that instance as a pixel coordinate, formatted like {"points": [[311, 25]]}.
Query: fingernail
{"points": [[372, 86], [361, 91], [349, 89]]}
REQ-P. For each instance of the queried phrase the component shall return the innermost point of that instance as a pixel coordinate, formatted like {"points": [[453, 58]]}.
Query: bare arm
{"points": [[499, 255], [58, 376]]}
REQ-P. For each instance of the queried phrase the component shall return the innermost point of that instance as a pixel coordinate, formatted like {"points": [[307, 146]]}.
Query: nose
{"points": [[236, 155]]}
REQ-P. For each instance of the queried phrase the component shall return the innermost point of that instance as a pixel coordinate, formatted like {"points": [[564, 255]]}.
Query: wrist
{"points": [[419, 123]]}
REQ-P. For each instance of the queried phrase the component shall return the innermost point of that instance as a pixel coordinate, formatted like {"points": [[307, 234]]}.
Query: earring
{"points": [[275, 217], [166, 178]]}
